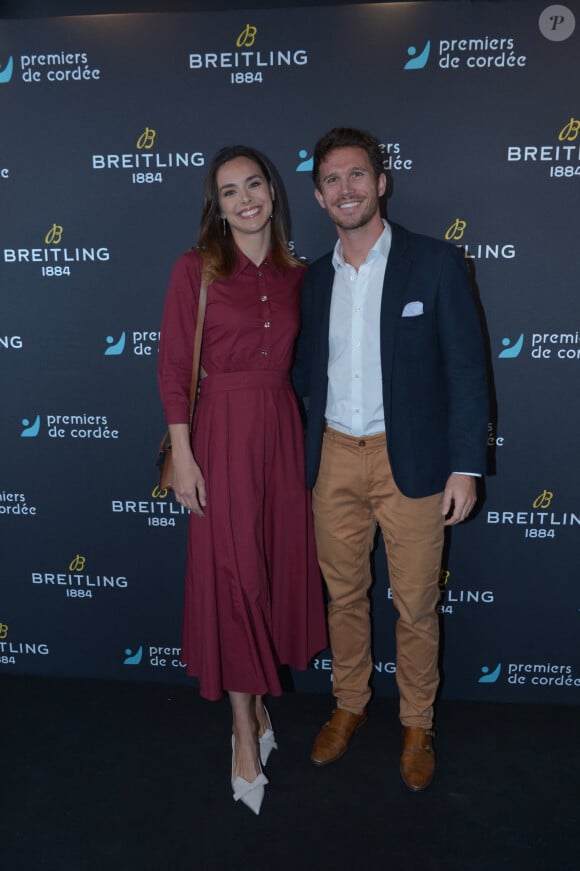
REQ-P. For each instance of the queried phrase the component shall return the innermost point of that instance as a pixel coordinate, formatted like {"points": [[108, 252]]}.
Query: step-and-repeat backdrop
{"points": [[108, 124]]}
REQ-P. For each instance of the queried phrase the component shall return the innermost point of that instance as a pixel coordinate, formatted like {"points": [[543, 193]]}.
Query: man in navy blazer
{"points": [[391, 359]]}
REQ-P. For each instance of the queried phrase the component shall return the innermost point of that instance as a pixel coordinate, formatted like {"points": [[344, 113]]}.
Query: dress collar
{"points": [[243, 262]]}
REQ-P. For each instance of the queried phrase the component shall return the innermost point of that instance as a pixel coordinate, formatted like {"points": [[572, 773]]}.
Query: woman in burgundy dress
{"points": [[253, 596]]}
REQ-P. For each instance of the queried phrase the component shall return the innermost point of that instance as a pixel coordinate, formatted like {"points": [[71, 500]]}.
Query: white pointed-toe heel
{"points": [[267, 741], [250, 793]]}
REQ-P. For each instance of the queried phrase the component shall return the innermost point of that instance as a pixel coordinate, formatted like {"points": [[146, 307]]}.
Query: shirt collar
{"points": [[381, 247], [243, 262]]}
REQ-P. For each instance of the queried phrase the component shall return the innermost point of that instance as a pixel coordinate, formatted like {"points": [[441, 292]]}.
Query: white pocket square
{"points": [[412, 309]]}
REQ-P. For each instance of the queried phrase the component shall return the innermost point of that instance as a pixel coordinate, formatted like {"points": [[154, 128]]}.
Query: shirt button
{"points": [[263, 298], [264, 353], [259, 274], [362, 443], [267, 324]]}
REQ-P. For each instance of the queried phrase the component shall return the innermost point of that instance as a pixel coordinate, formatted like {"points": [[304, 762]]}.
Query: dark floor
{"points": [[103, 776]]}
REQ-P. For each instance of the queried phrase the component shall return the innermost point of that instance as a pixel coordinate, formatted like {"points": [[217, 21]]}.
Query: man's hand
{"points": [[459, 498]]}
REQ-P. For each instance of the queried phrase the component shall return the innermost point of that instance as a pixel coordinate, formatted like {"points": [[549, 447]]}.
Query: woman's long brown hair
{"points": [[218, 248]]}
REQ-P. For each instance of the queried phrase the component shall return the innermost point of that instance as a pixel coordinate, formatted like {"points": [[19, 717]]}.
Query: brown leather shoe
{"points": [[333, 739], [418, 758]]}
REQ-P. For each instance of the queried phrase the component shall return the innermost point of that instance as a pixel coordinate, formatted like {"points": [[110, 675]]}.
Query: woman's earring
{"points": [[224, 225]]}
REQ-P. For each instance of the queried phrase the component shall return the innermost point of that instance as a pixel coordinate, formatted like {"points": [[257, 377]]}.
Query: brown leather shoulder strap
{"points": [[197, 344]]}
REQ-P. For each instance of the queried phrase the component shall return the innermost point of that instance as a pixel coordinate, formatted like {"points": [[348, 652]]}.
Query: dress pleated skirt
{"points": [[253, 596]]}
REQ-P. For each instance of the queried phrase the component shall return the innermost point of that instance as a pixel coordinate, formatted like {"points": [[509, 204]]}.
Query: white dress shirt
{"points": [[355, 393]]}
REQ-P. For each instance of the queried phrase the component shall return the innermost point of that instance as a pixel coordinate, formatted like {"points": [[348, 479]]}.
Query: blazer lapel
{"points": [[396, 273], [326, 285]]}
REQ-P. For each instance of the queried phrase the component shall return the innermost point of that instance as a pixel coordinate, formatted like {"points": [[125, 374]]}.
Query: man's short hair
{"points": [[347, 137]]}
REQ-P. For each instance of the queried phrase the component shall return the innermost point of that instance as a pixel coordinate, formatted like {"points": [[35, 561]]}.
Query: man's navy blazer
{"points": [[434, 379]]}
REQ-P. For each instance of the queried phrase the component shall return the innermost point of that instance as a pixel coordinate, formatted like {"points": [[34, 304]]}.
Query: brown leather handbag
{"points": [[165, 458]]}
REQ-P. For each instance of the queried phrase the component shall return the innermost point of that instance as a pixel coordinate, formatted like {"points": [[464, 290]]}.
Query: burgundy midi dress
{"points": [[253, 592]]}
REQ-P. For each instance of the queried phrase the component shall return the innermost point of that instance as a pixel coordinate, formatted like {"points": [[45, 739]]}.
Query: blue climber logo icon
{"points": [[115, 348], [511, 350], [488, 676], [418, 61], [30, 430], [133, 658], [6, 73], [306, 163]]}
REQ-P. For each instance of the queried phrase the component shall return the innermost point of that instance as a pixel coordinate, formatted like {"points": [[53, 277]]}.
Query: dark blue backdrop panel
{"points": [[108, 125]]}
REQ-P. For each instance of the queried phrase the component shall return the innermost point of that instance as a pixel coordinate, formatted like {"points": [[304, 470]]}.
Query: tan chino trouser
{"points": [[354, 491]]}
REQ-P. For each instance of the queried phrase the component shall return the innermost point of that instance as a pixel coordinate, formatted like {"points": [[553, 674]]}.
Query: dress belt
{"points": [[246, 379]]}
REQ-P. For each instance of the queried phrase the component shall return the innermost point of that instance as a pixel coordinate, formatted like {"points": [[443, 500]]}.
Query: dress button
{"points": [[263, 298], [267, 324]]}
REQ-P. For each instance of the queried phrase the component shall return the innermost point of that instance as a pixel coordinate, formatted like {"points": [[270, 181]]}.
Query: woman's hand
{"points": [[189, 483]]}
